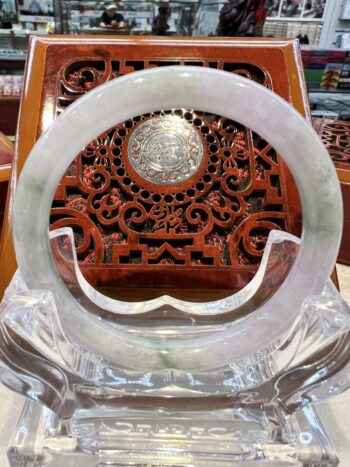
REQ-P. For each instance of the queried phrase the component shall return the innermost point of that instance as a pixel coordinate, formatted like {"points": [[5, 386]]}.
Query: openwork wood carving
{"points": [[80, 76], [336, 137], [214, 209]]}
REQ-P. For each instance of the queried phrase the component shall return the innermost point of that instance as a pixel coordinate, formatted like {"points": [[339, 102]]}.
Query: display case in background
{"points": [[284, 18], [13, 47], [83, 17], [8, 13], [36, 15]]}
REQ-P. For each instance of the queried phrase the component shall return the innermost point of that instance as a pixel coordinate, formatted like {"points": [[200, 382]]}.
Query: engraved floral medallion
{"points": [[165, 150]]}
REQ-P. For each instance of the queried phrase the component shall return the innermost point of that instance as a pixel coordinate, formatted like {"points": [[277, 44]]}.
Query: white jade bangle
{"points": [[206, 90]]}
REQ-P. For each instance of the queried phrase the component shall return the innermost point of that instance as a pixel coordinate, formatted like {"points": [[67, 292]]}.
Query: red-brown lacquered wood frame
{"points": [[242, 190]]}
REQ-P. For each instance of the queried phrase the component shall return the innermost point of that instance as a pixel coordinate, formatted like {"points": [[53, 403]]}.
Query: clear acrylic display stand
{"points": [[168, 382]]}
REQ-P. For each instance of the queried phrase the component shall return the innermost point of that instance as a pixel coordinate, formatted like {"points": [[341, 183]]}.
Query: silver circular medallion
{"points": [[165, 150]]}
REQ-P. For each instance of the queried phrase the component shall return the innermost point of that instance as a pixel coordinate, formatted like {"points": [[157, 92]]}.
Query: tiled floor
{"points": [[344, 281]]}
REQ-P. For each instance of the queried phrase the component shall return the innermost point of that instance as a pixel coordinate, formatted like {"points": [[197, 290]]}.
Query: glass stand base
{"points": [[129, 436]]}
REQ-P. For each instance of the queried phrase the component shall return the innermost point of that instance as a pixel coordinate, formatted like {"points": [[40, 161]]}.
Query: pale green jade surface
{"points": [[206, 90]]}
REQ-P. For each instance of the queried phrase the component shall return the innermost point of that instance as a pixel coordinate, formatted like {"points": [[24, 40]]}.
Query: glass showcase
{"points": [[277, 18], [76, 17]]}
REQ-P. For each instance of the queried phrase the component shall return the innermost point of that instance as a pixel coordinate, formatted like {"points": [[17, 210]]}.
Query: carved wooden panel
{"points": [[80, 76], [208, 230], [219, 217], [336, 137]]}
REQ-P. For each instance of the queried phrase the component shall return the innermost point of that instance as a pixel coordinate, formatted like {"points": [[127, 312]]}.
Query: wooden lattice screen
{"points": [[208, 229]]}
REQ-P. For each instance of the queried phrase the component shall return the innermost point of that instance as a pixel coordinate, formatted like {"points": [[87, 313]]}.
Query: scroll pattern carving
{"points": [[79, 77], [219, 217], [336, 137]]}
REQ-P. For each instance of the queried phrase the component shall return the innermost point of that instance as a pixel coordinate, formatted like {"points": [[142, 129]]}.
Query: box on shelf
{"points": [[10, 85], [326, 69]]}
